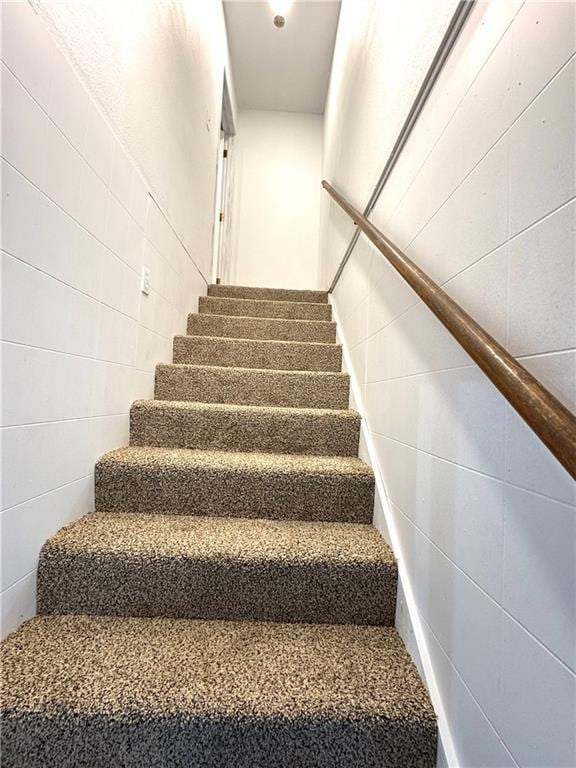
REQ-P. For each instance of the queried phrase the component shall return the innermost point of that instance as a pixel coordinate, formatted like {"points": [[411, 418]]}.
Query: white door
{"points": [[227, 209], [219, 210]]}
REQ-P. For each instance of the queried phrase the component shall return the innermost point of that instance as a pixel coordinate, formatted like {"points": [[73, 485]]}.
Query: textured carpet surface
{"points": [[226, 427], [262, 328], [226, 483], [252, 386], [228, 605], [198, 567], [291, 310], [257, 353], [273, 294], [166, 692]]}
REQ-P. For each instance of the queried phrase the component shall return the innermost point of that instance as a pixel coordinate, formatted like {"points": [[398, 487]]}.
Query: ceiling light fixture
{"points": [[279, 8]]}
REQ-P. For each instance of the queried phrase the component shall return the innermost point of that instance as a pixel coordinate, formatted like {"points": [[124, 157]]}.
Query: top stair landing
{"points": [[268, 294]]}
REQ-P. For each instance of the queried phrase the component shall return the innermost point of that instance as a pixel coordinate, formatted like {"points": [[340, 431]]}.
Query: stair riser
{"points": [[267, 294], [246, 387], [211, 491], [152, 740], [275, 355], [262, 328], [226, 430], [326, 593], [248, 308]]}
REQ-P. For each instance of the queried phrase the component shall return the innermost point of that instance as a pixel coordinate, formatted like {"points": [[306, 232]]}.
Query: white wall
{"points": [[79, 340], [157, 70], [278, 163], [482, 517]]}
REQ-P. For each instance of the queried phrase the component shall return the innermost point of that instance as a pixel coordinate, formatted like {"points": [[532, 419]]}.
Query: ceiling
{"points": [[282, 69]]}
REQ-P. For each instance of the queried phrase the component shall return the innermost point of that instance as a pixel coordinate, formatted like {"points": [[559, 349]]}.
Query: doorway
{"points": [[224, 187]]}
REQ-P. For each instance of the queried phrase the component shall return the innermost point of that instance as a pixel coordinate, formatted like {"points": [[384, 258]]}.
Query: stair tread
{"points": [[252, 386], [287, 294], [266, 371], [280, 321], [236, 461], [236, 326], [226, 426], [270, 343], [272, 354], [246, 539], [157, 667], [269, 308], [142, 564], [189, 405], [236, 300], [183, 481]]}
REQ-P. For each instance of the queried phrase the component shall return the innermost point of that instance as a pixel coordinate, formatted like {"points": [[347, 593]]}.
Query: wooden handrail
{"points": [[554, 424]]}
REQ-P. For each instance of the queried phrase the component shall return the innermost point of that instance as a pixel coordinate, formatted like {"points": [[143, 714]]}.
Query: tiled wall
{"points": [[483, 199], [80, 341]]}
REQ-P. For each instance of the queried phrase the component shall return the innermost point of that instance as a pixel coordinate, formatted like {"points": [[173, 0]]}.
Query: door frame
{"points": [[222, 207]]}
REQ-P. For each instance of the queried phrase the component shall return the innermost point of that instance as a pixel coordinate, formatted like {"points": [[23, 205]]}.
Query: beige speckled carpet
{"points": [[229, 602]]}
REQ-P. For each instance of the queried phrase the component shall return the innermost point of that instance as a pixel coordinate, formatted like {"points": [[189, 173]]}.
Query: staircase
{"points": [[229, 603]]}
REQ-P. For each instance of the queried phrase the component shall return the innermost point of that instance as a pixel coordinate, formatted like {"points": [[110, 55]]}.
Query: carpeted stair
{"points": [[225, 483], [252, 386], [323, 331], [102, 692], [226, 427], [288, 310], [228, 603], [257, 353], [268, 294], [186, 566]]}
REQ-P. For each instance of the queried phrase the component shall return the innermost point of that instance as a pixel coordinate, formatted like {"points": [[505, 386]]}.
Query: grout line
{"points": [[472, 365], [47, 493], [442, 132], [98, 301], [498, 140], [69, 285], [537, 221], [30, 424], [425, 373], [469, 691], [91, 101], [548, 353], [132, 366], [145, 239], [26, 424], [446, 284], [134, 166], [21, 578], [67, 213], [176, 235], [467, 468], [443, 52], [450, 119], [506, 242], [67, 354], [390, 322], [486, 594]]}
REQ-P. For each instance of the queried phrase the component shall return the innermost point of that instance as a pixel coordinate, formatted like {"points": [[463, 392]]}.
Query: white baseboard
{"points": [[412, 630]]}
